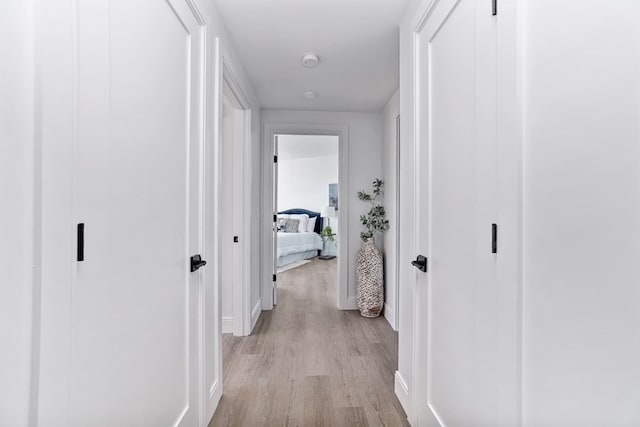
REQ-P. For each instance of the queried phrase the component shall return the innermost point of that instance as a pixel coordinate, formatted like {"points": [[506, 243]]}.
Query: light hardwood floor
{"points": [[309, 364]]}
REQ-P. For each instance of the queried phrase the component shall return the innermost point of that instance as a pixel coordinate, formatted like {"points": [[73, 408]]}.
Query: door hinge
{"points": [[235, 239], [494, 238], [275, 278], [494, 7], [275, 159], [275, 218]]}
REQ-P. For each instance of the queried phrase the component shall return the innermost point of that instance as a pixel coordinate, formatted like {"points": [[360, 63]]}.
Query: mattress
{"points": [[291, 243]]}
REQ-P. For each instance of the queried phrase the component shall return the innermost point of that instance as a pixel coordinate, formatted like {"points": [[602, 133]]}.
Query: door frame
{"points": [[509, 204], [396, 308], [242, 197], [221, 73], [270, 129]]}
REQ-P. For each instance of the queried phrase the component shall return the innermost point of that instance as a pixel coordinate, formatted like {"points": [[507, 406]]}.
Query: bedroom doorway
{"points": [[233, 216], [306, 203]]}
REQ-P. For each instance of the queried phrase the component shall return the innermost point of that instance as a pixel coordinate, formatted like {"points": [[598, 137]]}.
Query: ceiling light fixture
{"points": [[310, 60], [310, 95]]}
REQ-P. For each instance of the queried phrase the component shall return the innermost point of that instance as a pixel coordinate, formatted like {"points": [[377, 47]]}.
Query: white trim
{"points": [[214, 389], [255, 313], [402, 391], [270, 129], [227, 325], [202, 206], [211, 250], [390, 315], [242, 200], [396, 308]]}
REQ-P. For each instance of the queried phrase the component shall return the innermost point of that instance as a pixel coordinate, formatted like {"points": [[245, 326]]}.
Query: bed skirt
{"points": [[288, 259]]}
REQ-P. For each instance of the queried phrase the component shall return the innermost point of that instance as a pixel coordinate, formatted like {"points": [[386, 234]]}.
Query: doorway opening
{"points": [[234, 230], [332, 213], [306, 196]]}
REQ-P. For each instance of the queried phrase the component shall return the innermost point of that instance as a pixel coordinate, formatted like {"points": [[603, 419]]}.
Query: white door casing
{"points": [[135, 303], [269, 248], [235, 212], [459, 343], [275, 220]]}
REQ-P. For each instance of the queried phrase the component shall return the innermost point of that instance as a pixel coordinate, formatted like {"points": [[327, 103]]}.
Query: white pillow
{"points": [[312, 224], [298, 216], [304, 220], [302, 227]]}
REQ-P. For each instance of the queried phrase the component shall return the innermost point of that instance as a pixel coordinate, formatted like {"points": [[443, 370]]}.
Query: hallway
{"points": [[310, 364]]}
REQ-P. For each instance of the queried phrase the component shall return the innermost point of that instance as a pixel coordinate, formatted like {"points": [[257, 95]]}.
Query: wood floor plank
{"points": [[309, 364]]}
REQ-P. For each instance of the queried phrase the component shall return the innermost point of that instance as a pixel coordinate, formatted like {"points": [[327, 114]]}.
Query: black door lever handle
{"points": [[197, 262], [420, 263]]}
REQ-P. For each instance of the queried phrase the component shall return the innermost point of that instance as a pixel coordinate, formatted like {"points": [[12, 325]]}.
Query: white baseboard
{"points": [[402, 391], [213, 389], [390, 315], [210, 405], [227, 325], [352, 304], [255, 314]]}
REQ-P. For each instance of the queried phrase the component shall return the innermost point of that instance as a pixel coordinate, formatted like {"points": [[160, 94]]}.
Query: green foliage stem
{"points": [[375, 220]]}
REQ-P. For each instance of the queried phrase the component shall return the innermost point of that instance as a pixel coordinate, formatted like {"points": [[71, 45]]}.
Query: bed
{"points": [[294, 247]]}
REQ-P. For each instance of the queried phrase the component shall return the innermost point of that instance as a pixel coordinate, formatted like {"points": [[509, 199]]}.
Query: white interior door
{"points": [[456, 346], [134, 346], [275, 219]]}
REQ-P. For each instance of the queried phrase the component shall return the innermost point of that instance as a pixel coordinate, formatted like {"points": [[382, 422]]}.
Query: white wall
{"points": [[304, 183], [390, 169], [581, 282], [307, 164], [16, 214], [365, 164]]}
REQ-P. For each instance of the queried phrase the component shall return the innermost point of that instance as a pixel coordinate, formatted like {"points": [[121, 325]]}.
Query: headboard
{"points": [[318, 227]]}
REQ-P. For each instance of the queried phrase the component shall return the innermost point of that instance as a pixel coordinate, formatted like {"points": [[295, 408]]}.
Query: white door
{"points": [[134, 348], [457, 347], [275, 220]]}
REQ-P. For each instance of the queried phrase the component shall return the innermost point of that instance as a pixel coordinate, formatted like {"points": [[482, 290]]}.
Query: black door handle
{"points": [[420, 263], [197, 262], [80, 249]]}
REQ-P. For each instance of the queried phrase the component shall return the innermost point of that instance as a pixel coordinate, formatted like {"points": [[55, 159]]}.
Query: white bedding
{"points": [[291, 243]]}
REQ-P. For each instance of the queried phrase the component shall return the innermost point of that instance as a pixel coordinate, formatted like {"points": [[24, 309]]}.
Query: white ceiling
{"points": [[357, 41], [305, 146]]}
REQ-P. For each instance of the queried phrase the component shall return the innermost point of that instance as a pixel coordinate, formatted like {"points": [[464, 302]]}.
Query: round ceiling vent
{"points": [[310, 95], [310, 60]]}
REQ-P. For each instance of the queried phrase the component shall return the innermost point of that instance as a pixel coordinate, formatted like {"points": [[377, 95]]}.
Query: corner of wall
{"points": [[227, 325], [255, 315], [402, 391], [390, 315]]}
